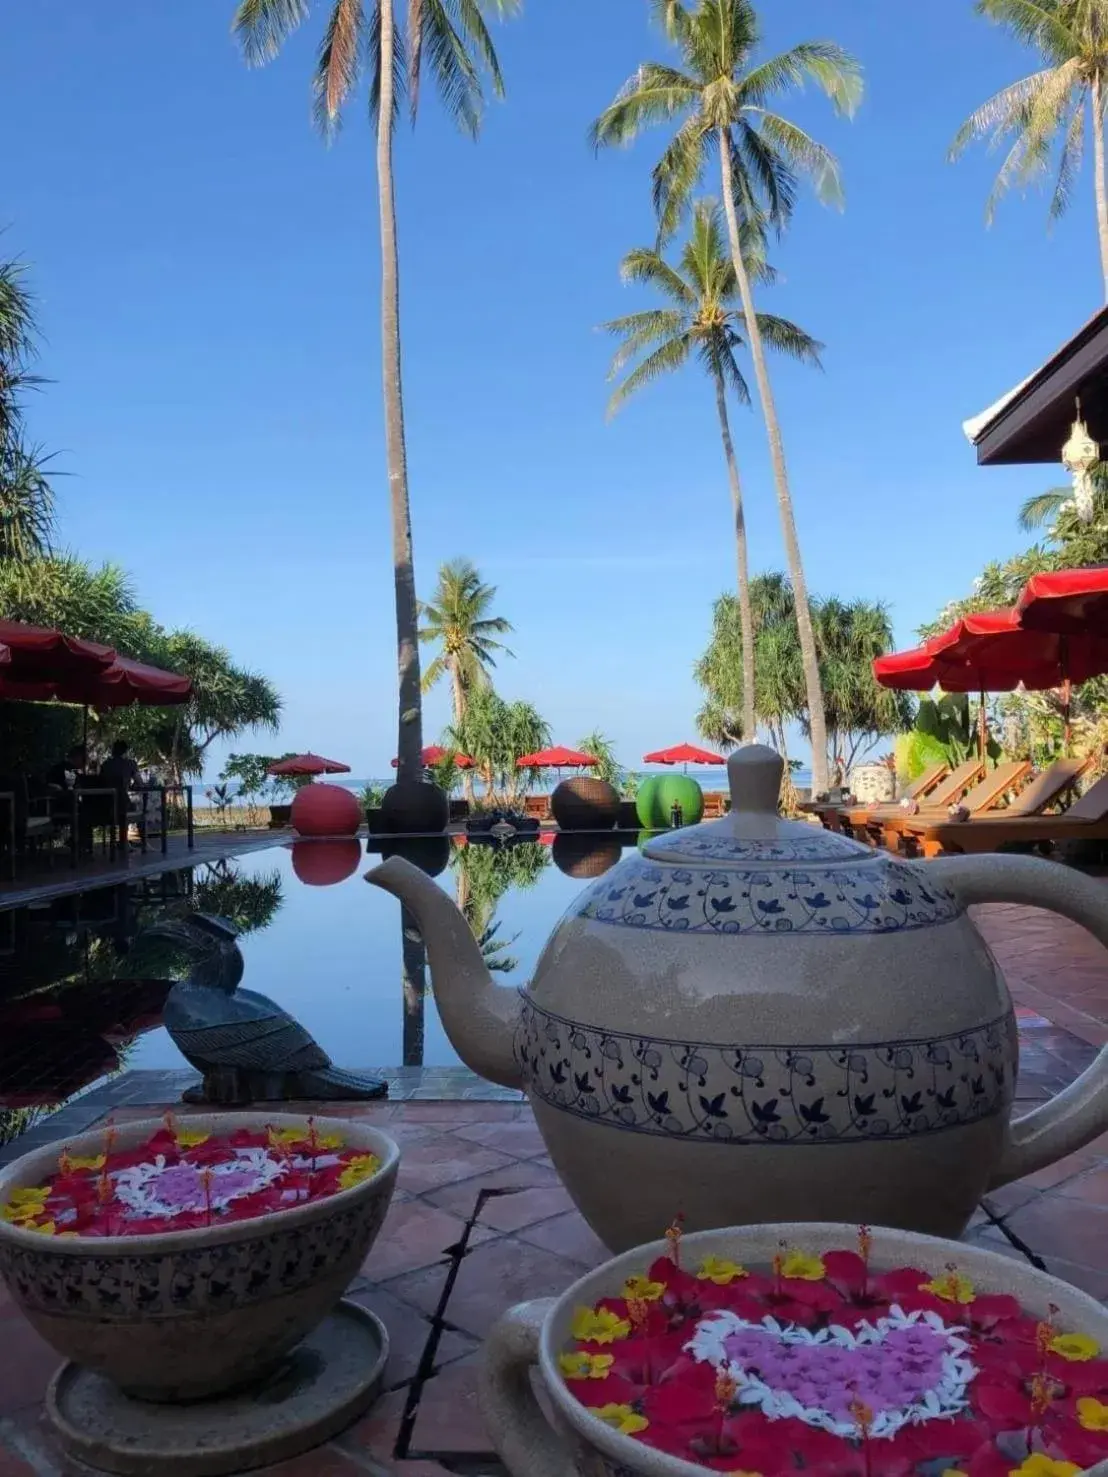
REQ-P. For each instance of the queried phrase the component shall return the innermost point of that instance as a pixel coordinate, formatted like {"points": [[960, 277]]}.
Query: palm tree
{"points": [[703, 319], [601, 748], [457, 618], [1060, 100], [721, 99], [453, 35], [26, 497]]}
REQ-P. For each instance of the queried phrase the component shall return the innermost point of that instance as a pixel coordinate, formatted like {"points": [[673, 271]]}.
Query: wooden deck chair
{"points": [[828, 811], [1086, 819], [986, 794]]}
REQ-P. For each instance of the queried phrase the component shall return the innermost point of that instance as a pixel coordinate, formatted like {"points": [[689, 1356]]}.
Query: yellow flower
{"points": [[287, 1136], [719, 1270], [622, 1419], [30, 1195], [361, 1167], [643, 1289], [599, 1326], [803, 1265], [739, 1473], [952, 1287], [1038, 1464], [953, 1472], [1077, 1347], [582, 1366], [188, 1138], [1092, 1413], [22, 1214], [91, 1161], [45, 1228]]}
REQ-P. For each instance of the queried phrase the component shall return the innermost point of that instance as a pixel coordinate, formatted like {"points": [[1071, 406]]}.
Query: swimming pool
{"points": [[78, 1000]]}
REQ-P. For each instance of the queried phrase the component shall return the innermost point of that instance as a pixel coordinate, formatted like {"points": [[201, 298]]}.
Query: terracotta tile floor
{"points": [[480, 1220]]}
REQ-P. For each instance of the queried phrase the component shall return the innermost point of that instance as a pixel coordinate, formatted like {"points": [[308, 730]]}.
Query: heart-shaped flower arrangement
{"points": [[822, 1365], [907, 1367], [185, 1179]]}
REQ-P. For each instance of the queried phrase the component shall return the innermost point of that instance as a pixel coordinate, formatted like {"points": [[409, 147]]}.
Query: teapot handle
{"points": [[520, 1433], [1078, 1114]]}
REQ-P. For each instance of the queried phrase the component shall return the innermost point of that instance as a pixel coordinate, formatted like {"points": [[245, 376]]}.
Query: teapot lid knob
{"points": [[754, 773]]}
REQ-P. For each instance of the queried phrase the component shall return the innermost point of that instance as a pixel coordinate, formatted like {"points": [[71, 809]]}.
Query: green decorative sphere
{"points": [[644, 801], [662, 793]]}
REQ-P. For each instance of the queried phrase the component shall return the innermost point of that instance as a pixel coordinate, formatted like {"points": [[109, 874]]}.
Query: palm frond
{"points": [[833, 70], [669, 356], [1037, 511], [436, 671], [650, 268], [1001, 113], [642, 331], [717, 354], [787, 338], [652, 94], [1035, 24], [1021, 163], [678, 172], [262, 26], [341, 55], [803, 154], [459, 83], [1069, 163], [26, 503], [765, 183]]}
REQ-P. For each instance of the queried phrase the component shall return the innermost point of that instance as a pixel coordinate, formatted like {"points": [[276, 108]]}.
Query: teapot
{"points": [[756, 1020]]}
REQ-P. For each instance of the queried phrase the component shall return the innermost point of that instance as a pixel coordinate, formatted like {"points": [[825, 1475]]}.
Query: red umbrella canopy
{"points": [[434, 752], [998, 652], [556, 758], [116, 686], [309, 763], [1072, 602], [38, 654], [915, 670], [683, 754]]}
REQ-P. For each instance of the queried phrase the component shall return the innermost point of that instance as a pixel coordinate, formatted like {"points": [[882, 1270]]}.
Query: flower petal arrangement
{"points": [[819, 1364], [184, 1179]]}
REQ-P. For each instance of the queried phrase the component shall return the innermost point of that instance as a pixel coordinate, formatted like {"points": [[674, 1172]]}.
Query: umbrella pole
{"points": [[1067, 730], [982, 730], [85, 739]]}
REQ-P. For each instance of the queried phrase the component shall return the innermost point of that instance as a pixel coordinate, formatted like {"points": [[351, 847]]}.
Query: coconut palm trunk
{"points": [[410, 735], [805, 632], [1099, 178], [746, 610]]}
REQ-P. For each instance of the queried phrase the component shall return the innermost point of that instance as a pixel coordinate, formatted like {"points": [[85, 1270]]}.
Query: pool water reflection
{"points": [[80, 997]]}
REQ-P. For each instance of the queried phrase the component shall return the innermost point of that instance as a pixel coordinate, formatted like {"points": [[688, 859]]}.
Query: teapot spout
{"points": [[478, 1016]]}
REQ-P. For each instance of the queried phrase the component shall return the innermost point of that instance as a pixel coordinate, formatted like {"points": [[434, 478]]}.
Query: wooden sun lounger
{"points": [[1022, 820], [857, 819], [988, 792]]}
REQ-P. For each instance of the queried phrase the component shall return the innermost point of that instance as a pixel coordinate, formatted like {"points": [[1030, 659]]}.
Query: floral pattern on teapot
{"points": [[768, 1094], [859, 897]]}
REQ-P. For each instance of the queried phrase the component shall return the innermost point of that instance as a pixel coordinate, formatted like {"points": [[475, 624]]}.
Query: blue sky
{"points": [[207, 272]]}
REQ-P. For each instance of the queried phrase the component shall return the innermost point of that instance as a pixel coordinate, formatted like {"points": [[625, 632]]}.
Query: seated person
{"points": [[63, 774], [120, 772]]}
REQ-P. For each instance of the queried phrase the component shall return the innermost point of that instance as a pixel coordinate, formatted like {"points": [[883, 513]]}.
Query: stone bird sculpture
{"points": [[247, 1048]]}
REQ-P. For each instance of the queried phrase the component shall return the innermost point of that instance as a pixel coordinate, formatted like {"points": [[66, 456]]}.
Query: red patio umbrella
{"points": [[992, 651], [683, 754], [309, 764], [557, 758], [434, 752], [1071, 602], [39, 654]]}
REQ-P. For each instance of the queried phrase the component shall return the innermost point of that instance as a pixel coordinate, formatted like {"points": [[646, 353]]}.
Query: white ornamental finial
{"points": [[1079, 456]]}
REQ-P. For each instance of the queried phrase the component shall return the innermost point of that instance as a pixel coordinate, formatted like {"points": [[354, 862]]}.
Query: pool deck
{"points": [[480, 1221]]}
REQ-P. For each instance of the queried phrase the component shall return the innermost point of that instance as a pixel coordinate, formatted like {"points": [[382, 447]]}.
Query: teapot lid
{"points": [[753, 832]]}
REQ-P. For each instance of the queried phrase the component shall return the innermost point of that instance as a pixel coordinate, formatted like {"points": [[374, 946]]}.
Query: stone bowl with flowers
{"points": [[183, 1258], [828, 1350]]}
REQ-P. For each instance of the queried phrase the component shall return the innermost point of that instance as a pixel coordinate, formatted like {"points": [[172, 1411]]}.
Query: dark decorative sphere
{"points": [[414, 807], [585, 804], [580, 855]]}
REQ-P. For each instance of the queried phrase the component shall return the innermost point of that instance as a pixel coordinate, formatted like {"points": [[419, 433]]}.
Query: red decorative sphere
{"points": [[323, 863], [325, 810]]}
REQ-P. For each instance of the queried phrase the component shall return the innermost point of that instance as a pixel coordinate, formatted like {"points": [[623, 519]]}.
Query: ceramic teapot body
{"points": [[759, 1020]]}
